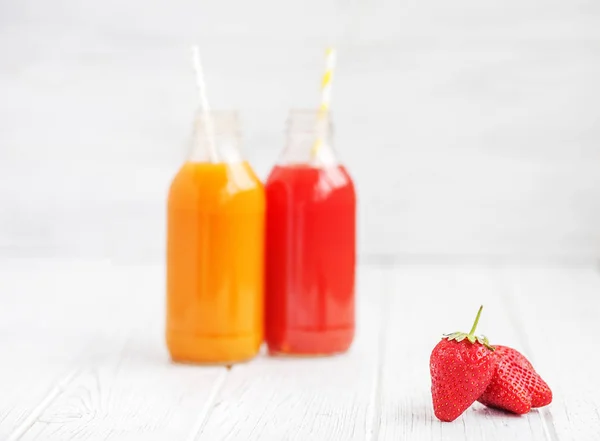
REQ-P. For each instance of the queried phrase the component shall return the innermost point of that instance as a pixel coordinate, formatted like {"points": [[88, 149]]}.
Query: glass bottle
{"points": [[310, 244], [215, 249]]}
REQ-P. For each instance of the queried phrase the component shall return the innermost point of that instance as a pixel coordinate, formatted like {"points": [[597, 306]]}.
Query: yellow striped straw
{"points": [[325, 100]]}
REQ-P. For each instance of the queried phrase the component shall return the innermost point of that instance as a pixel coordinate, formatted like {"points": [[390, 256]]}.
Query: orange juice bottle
{"points": [[215, 247]]}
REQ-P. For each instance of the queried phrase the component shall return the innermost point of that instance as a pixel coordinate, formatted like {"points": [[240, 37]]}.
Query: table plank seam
{"points": [[373, 419], [46, 402], [510, 304], [206, 412]]}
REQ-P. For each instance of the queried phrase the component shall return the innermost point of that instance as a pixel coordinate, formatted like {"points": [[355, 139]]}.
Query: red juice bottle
{"points": [[310, 246]]}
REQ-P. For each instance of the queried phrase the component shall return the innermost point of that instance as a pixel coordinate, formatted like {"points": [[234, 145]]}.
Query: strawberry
{"points": [[462, 366], [516, 386]]}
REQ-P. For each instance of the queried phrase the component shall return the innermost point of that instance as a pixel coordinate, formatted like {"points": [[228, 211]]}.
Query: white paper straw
{"points": [[205, 107]]}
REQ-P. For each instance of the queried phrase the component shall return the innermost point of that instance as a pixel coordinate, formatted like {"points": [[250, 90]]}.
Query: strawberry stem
{"points": [[472, 332], [460, 336]]}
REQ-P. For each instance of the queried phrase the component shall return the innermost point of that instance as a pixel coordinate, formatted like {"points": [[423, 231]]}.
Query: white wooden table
{"points": [[83, 358]]}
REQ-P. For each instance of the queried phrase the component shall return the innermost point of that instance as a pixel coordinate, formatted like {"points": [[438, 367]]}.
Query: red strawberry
{"points": [[516, 386], [462, 366]]}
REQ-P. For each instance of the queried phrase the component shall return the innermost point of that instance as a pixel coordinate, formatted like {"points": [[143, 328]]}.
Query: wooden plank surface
{"points": [[92, 363], [84, 359], [41, 345], [133, 394], [559, 319], [307, 399]]}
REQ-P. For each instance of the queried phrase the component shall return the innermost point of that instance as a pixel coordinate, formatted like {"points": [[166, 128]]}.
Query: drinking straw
{"points": [[212, 150], [323, 114]]}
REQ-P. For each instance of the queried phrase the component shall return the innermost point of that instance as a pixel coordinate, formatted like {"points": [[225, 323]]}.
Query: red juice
{"points": [[310, 260]]}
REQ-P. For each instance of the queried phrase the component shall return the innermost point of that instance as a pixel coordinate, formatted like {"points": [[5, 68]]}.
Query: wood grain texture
{"points": [[93, 343], [307, 398], [558, 310], [31, 376], [134, 394], [88, 363], [44, 335]]}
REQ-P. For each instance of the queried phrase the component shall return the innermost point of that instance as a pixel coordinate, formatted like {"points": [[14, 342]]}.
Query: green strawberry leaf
{"points": [[460, 336]]}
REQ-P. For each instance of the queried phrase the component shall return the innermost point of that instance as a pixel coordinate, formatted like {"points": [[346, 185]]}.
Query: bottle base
{"points": [[309, 344], [212, 351], [280, 354]]}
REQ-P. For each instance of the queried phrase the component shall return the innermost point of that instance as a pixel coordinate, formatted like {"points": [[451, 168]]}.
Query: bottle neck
{"points": [[309, 140], [215, 138]]}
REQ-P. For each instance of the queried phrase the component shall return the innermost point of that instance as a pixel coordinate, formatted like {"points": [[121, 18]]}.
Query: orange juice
{"points": [[215, 249]]}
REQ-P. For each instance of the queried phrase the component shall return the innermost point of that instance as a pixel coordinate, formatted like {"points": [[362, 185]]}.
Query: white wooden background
{"points": [[472, 128]]}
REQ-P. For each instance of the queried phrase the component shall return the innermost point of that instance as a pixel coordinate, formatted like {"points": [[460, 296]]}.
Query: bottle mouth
{"points": [[222, 122], [216, 137], [307, 113], [309, 121]]}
